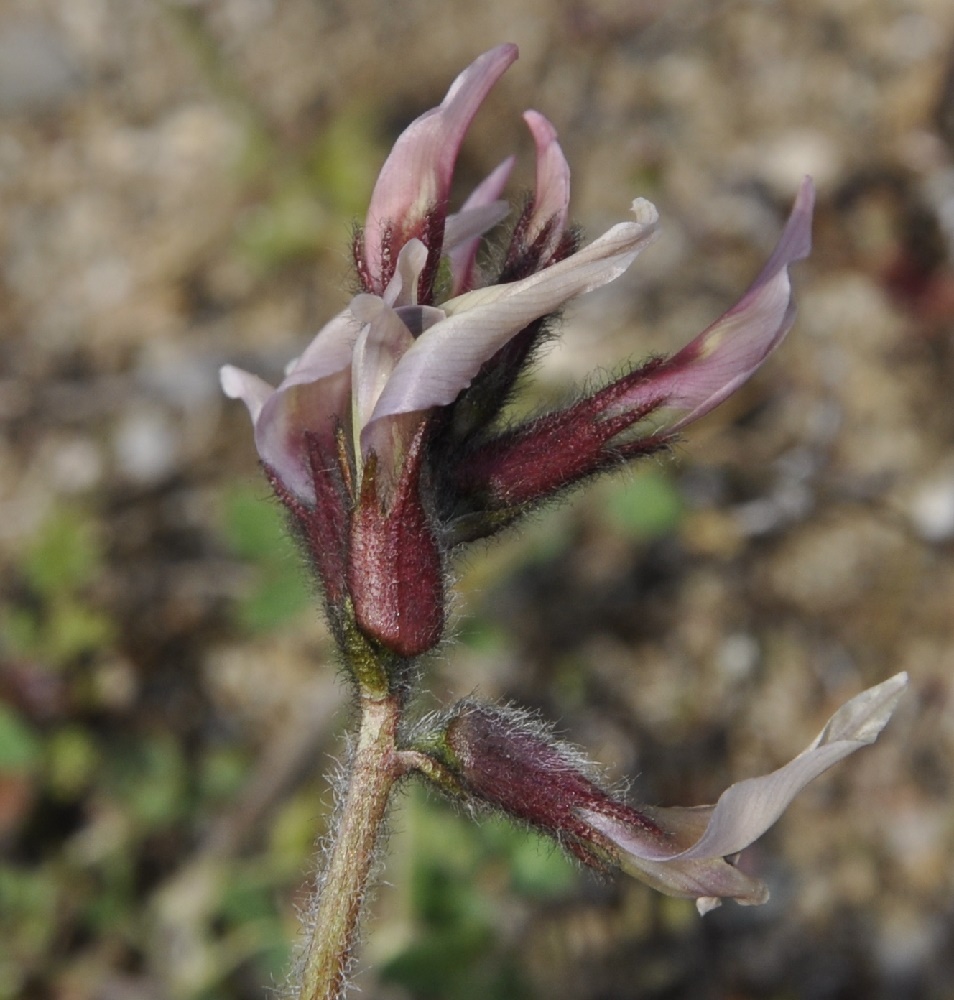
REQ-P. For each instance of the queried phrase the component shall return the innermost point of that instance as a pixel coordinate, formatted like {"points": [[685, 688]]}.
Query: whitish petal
{"points": [[416, 176], [684, 851], [295, 410], [480, 212], [382, 341], [252, 390], [328, 352], [748, 808], [312, 398], [551, 203], [402, 288], [445, 359], [482, 209], [724, 356]]}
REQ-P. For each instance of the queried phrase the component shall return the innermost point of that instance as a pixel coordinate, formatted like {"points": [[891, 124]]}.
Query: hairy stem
{"points": [[334, 927]]}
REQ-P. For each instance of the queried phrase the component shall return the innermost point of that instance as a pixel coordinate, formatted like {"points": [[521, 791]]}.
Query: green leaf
{"points": [[255, 526], [63, 556], [20, 746], [645, 505], [71, 761], [255, 529]]}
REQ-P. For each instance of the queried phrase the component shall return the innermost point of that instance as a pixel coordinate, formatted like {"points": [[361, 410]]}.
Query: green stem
{"points": [[333, 930]]}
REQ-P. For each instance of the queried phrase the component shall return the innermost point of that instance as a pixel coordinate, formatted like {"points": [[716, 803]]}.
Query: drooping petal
{"points": [[551, 201], [726, 354], [329, 352], [688, 861], [416, 176], [382, 341], [293, 412], [444, 360], [402, 288], [480, 213], [252, 390], [748, 808], [313, 398]]}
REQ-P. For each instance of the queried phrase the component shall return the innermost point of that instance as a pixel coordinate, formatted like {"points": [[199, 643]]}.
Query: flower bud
{"points": [[505, 759], [395, 570]]}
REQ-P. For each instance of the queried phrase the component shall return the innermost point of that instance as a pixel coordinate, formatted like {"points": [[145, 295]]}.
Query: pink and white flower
{"points": [[402, 364]]}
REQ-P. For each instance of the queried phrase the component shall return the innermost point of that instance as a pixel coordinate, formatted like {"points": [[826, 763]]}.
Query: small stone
{"points": [[146, 446], [37, 73]]}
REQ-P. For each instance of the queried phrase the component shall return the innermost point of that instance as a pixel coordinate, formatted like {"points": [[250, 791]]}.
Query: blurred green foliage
{"points": [[643, 504], [311, 197], [20, 746], [59, 566], [256, 531], [459, 873]]}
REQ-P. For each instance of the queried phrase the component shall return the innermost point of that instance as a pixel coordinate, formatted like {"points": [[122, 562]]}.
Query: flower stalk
{"points": [[342, 888], [388, 444]]}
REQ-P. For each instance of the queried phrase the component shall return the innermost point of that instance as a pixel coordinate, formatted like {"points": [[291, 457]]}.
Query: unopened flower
{"points": [[504, 759], [382, 439]]}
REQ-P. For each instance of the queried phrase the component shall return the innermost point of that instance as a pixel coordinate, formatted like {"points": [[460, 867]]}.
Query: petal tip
{"points": [[231, 381], [645, 212]]}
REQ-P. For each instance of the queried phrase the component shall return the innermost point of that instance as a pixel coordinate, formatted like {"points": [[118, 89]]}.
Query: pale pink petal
{"points": [[444, 360], [726, 354], [313, 397], [294, 410], [748, 808], [469, 222], [416, 176], [329, 351], [382, 341], [252, 390], [551, 202], [707, 880], [480, 212], [402, 288]]}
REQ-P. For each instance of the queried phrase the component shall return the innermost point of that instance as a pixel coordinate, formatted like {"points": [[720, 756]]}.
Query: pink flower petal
{"points": [[402, 288], [313, 397], [551, 203], [461, 245], [416, 176], [252, 390], [444, 360], [726, 354], [748, 808], [681, 863], [295, 409], [329, 352], [382, 341]]}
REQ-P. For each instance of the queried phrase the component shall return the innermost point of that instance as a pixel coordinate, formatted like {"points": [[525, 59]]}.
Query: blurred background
{"points": [[178, 186]]}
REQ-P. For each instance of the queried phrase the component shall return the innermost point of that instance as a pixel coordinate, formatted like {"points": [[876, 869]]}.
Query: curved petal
{"points": [[480, 212], [382, 341], [402, 288], [313, 398], [748, 808], [725, 355], [444, 360], [416, 176], [296, 410], [706, 880], [252, 390], [329, 352], [551, 201]]}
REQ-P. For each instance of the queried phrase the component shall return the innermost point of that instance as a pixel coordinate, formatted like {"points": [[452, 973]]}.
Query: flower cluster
{"points": [[385, 443], [508, 761], [383, 440]]}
